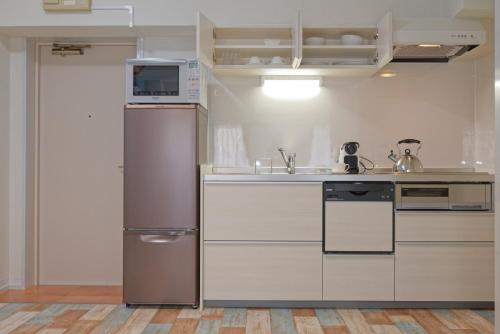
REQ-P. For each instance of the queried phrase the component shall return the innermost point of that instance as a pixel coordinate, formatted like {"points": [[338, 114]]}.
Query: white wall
{"points": [[497, 165], [225, 12], [17, 161], [4, 163], [430, 102], [484, 113], [177, 46]]}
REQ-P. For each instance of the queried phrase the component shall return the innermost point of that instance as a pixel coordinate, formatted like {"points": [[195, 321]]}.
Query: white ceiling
{"points": [[25, 13]]}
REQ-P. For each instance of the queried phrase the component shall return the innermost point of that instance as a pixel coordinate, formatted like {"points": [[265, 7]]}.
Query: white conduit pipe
{"points": [[140, 48], [128, 8]]}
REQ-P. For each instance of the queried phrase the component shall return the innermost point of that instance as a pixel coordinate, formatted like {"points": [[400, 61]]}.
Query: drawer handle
{"points": [[260, 242], [444, 243], [159, 239], [467, 206]]}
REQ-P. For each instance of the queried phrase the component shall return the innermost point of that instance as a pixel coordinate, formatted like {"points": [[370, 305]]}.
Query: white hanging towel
{"points": [[229, 147], [321, 148]]}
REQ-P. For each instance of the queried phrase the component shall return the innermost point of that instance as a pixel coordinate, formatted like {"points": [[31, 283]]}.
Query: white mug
{"points": [[339, 167]]}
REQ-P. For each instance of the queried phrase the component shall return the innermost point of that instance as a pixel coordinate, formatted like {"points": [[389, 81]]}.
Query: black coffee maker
{"points": [[349, 156]]}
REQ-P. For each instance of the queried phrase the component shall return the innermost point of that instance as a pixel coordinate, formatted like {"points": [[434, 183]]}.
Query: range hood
{"points": [[435, 40]]}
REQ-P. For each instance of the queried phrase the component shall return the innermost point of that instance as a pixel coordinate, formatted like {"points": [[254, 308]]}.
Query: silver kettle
{"points": [[407, 162]]}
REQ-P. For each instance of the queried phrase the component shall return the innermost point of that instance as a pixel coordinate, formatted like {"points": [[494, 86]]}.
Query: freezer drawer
{"points": [[358, 227], [160, 267]]}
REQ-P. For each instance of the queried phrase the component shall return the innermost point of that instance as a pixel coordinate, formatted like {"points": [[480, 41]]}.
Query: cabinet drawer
{"points": [[263, 211], [446, 226], [358, 277], [444, 271], [359, 226], [262, 271]]}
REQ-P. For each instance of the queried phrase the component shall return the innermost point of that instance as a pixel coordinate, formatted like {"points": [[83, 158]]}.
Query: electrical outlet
{"points": [[67, 5]]}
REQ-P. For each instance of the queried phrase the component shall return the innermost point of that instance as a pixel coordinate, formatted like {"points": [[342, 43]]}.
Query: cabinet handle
{"points": [[271, 242], [444, 243], [430, 213], [265, 182]]}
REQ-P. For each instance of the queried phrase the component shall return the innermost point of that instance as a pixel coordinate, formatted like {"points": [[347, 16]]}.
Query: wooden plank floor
{"points": [[74, 294], [74, 314], [37, 318]]}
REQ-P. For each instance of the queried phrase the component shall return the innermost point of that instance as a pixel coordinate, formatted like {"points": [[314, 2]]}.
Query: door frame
{"points": [[32, 232]]}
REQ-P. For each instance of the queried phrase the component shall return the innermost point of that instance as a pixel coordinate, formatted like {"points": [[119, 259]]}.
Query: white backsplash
{"points": [[431, 102]]}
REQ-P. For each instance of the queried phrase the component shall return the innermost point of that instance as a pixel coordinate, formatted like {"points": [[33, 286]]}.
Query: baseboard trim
{"points": [[14, 287], [346, 304], [82, 283]]}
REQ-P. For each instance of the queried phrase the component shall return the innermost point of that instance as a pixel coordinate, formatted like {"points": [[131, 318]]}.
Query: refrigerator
{"points": [[164, 147]]}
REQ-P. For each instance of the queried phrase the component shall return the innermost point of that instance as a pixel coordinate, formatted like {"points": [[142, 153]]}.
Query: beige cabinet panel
{"points": [[205, 40], [384, 41], [263, 211], [358, 226], [444, 271], [262, 271], [358, 277], [446, 226]]}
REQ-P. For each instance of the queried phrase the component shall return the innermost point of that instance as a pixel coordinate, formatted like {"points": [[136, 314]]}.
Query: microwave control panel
{"points": [[67, 5], [197, 82]]}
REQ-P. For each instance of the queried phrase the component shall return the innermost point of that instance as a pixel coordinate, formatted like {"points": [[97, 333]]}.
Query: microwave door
{"points": [[157, 83]]}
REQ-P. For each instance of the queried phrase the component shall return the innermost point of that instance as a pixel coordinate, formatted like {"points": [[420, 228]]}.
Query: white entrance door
{"points": [[81, 152]]}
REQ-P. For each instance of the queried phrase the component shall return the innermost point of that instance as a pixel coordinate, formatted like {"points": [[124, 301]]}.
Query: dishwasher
{"points": [[358, 217]]}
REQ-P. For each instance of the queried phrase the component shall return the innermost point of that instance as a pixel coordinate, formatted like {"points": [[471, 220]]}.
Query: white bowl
{"points": [[277, 60], [351, 40], [254, 61], [272, 41], [315, 41]]}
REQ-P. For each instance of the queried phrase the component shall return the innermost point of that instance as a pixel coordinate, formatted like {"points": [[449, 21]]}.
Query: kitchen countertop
{"points": [[308, 175]]}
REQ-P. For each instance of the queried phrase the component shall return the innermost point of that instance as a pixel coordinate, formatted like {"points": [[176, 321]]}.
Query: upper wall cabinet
{"points": [[294, 49], [347, 51], [240, 50]]}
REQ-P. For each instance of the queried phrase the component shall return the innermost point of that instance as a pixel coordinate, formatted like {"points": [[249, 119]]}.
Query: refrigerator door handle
{"points": [[160, 239]]}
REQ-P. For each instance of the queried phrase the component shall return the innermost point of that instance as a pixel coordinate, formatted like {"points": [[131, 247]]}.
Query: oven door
{"points": [[422, 196], [157, 81]]}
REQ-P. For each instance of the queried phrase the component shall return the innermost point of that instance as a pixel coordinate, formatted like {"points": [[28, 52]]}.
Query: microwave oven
{"points": [[159, 81]]}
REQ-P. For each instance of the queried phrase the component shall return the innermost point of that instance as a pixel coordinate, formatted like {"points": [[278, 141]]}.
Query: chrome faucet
{"points": [[289, 161]]}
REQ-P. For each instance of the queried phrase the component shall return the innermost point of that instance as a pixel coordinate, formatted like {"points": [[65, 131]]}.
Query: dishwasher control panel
{"points": [[359, 191]]}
